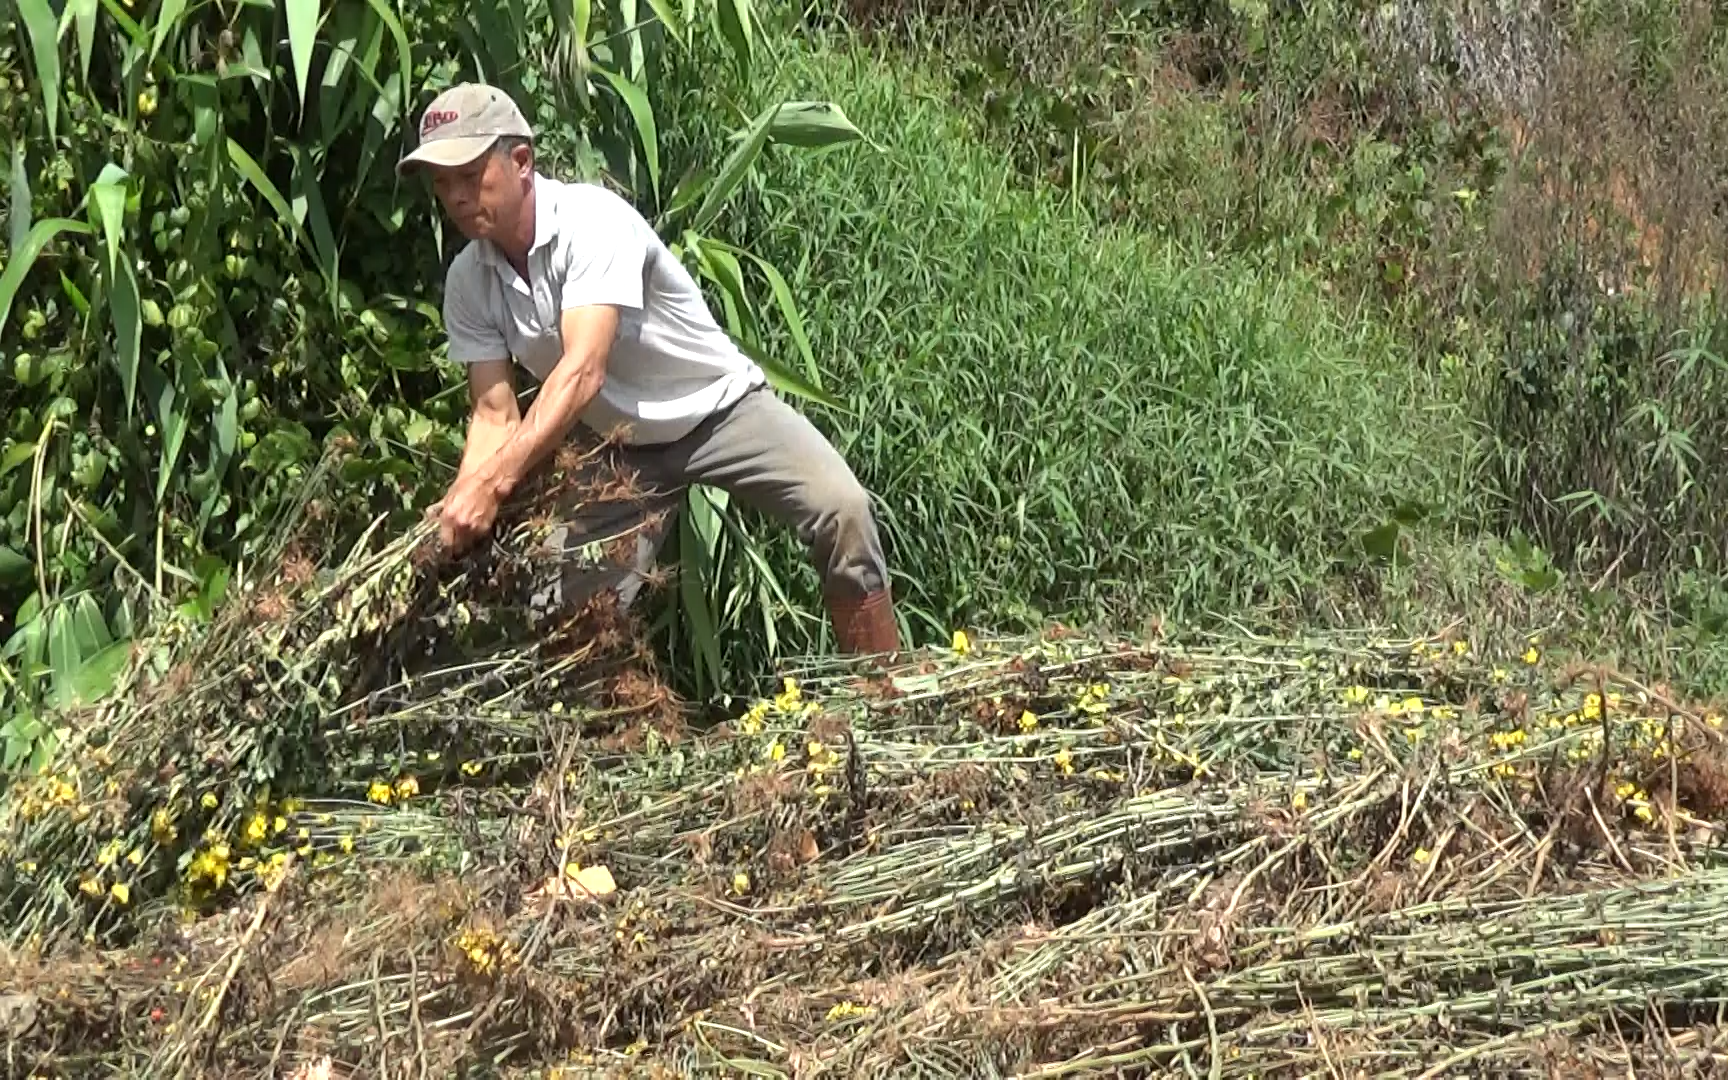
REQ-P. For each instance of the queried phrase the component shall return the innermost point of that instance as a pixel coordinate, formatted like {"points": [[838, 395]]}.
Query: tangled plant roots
{"points": [[380, 836]]}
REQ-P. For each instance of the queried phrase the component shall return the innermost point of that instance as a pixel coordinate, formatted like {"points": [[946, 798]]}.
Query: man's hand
{"points": [[467, 513], [503, 447]]}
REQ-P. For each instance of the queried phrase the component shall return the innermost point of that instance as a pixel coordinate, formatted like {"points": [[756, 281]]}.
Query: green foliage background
{"points": [[1123, 308]]}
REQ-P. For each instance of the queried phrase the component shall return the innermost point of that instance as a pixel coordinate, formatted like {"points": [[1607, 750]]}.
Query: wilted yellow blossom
{"points": [[1065, 761]]}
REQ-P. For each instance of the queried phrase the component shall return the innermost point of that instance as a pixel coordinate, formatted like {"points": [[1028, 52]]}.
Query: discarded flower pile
{"points": [[1233, 857]]}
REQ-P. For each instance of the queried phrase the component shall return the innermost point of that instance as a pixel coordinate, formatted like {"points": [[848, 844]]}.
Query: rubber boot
{"points": [[865, 626]]}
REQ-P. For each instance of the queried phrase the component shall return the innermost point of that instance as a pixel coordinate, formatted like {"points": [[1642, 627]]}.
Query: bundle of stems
{"points": [[377, 782]]}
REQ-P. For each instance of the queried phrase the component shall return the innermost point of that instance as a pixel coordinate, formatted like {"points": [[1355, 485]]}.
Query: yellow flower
{"points": [[1714, 720], [1356, 695], [962, 643], [1065, 761], [1531, 655], [846, 1009], [1414, 734], [279, 825], [1028, 722], [89, 887], [1501, 674], [740, 883], [752, 721], [121, 892], [789, 697], [256, 827], [1644, 814], [1355, 753], [407, 787], [472, 768], [1299, 800], [208, 801], [1421, 856], [1413, 705], [379, 792], [347, 844], [1460, 647], [110, 851]]}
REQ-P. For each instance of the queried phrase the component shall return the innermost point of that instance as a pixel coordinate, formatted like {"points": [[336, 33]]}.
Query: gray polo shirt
{"points": [[671, 366]]}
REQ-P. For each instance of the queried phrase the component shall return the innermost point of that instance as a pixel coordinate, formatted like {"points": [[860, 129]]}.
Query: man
{"points": [[569, 281]]}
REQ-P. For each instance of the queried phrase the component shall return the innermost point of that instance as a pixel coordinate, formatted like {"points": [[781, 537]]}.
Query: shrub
{"points": [[1063, 418]]}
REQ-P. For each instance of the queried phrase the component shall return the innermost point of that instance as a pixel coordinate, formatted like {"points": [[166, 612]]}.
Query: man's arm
{"points": [[494, 415], [587, 334]]}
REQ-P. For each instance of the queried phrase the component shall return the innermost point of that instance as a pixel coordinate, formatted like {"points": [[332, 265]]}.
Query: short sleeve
{"points": [[605, 254], [468, 321]]}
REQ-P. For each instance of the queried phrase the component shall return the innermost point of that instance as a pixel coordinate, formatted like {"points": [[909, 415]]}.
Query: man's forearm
{"points": [[561, 401], [485, 437]]}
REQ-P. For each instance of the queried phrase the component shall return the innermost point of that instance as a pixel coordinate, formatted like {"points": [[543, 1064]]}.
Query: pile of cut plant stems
{"points": [[356, 826]]}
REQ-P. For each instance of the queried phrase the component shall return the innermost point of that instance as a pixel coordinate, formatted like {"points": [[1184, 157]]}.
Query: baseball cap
{"points": [[462, 123]]}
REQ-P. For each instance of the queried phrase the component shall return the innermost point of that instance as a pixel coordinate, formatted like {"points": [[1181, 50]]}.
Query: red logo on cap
{"points": [[435, 120]]}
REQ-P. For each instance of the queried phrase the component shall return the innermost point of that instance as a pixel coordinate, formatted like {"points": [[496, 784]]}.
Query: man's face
{"points": [[484, 197]]}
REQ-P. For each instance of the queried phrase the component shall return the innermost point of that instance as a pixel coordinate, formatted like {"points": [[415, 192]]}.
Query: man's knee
{"points": [[836, 504]]}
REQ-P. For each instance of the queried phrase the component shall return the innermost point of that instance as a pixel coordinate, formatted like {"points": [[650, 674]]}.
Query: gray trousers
{"points": [[761, 451]]}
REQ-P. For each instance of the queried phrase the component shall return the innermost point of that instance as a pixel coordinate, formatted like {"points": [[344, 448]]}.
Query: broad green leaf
{"points": [[404, 51], [735, 17], [80, 302], [646, 131], [84, 19], [39, 21], [309, 203], [134, 32], [675, 26], [96, 675], [255, 176], [344, 50], [302, 34], [228, 422], [691, 576], [737, 166], [167, 21], [380, 124], [22, 258], [63, 655], [788, 307], [812, 124], [128, 330], [108, 206], [171, 418], [785, 379], [17, 455], [18, 206], [89, 627], [627, 14], [13, 566]]}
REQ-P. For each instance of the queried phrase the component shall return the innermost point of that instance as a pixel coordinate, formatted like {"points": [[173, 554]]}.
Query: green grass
{"points": [[1063, 419]]}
